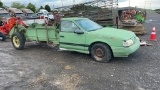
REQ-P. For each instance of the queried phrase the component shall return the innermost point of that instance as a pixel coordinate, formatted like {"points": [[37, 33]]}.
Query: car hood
{"points": [[50, 16], [113, 33]]}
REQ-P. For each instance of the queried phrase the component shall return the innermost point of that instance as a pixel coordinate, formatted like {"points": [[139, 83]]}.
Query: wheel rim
{"points": [[1, 37], [16, 41], [99, 53]]}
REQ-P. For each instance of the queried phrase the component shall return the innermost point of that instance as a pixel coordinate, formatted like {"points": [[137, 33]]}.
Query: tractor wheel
{"points": [[101, 52], [18, 41], [2, 37]]}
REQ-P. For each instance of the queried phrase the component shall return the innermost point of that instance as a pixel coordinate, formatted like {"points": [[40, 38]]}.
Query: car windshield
{"points": [[45, 12], [31, 14], [19, 15], [40, 14], [88, 25], [4, 15]]}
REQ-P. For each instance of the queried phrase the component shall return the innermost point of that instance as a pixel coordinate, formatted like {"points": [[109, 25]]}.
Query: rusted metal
{"points": [[101, 11], [99, 52]]}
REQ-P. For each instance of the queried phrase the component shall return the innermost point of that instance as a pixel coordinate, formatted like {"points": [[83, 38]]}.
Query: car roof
{"points": [[74, 18]]}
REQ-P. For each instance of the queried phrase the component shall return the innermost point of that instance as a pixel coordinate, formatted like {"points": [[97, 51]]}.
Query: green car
{"points": [[81, 35]]}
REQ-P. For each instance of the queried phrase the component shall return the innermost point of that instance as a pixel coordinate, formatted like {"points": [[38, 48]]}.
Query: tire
{"points": [[18, 41], [101, 52], [2, 37]]}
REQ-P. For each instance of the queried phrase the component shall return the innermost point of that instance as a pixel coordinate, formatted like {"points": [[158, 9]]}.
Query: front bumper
{"points": [[125, 51], [52, 19]]}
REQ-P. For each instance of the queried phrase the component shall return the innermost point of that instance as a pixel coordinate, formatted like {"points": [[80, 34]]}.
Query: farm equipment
{"points": [[105, 13], [3, 14], [6, 26], [132, 14], [132, 18], [101, 11], [77, 34]]}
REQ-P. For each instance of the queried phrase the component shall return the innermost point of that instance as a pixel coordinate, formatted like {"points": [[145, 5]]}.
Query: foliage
{"points": [[157, 9], [17, 5], [41, 7], [47, 7], [83, 7], [1, 4], [31, 7]]}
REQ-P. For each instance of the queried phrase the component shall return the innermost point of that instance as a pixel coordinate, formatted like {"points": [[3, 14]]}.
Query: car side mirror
{"points": [[78, 31]]}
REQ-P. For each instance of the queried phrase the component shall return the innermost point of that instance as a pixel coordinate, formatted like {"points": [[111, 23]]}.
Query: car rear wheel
{"points": [[101, 52], [2, 37], [18, 41]]}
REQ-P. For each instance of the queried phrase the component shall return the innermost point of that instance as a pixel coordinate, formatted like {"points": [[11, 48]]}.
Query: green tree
{"points": [[157, 9], [37, 10], [31, 7], [17, 5], [47, 7], [82, 7], [1, 4], [41, 7]]}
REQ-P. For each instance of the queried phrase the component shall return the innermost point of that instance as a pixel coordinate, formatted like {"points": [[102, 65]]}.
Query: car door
{"points": [[69, 39]]}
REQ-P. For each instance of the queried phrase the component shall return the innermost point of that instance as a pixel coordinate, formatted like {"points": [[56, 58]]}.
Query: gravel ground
{"points": [[39, 67]]}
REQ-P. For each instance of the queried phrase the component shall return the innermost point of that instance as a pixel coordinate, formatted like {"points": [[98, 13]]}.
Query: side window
{"points": [[68, 26]]}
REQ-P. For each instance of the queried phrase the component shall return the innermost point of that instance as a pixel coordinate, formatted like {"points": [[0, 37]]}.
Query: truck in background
{"points": [[44, 13], [29, 14], [4, 13], [14, 12]]}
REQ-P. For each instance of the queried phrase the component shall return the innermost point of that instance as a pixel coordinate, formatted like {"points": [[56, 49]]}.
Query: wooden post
{"points": [[117, 21]]}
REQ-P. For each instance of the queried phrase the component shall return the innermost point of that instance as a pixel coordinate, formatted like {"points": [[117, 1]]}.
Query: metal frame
{"points": [[105, 15]]}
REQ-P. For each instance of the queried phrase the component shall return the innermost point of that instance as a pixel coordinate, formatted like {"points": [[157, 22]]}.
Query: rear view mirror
{"points": [[78, 31]]}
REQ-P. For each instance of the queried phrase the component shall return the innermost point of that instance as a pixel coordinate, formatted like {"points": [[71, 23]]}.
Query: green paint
{"points": [[72, 41], [140, 18]]}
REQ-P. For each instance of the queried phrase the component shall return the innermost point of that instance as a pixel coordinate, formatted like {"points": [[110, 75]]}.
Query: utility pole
{"points": [[129, 3], [73, 2], [35, 8], [62, 8], [73, 6], [117, 20], [145, 4], [62, 3]]}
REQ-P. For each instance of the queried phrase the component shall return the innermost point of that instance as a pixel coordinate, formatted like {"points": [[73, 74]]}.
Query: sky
{"points": [[148, 4]]}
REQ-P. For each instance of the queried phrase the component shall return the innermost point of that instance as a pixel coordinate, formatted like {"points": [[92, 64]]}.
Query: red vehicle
{"points": [[5, 27], [56, 15], [40, 16]]}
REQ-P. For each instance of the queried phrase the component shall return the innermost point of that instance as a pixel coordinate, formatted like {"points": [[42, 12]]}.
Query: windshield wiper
{"points": [[93, 30]]}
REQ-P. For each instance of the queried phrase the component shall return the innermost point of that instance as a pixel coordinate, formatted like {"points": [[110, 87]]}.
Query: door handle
{"points": [[62, 36]]}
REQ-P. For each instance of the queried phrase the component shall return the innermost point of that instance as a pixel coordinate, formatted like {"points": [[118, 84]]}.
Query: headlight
{"points": [[127, 43]]}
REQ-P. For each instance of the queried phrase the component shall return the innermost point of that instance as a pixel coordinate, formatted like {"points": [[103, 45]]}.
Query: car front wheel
{"points": [[2, 37], [101, 52]]}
